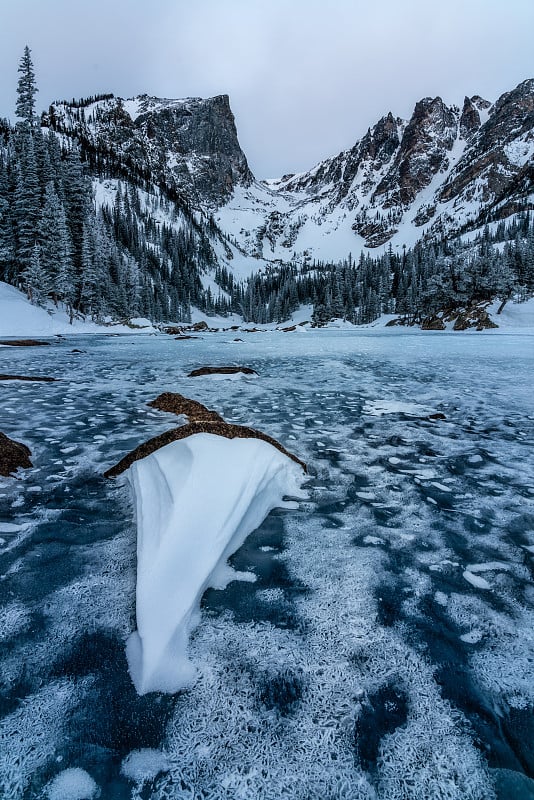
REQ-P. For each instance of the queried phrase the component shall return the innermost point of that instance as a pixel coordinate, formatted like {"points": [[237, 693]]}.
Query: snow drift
{"points": [[197, 499]]}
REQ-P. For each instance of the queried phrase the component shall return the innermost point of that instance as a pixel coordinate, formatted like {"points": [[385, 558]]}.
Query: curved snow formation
{"points": [[197, 499]]}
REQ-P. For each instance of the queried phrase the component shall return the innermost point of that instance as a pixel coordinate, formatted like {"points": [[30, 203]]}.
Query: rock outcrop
{"points": [[13, 456], [200, 420]]}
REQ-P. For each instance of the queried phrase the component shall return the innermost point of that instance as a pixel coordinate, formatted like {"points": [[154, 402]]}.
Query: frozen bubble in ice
{"points": [[476, 580]]}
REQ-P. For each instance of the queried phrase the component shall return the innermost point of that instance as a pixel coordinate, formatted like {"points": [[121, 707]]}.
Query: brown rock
{"points": [[26, 378], [198, 373], [13, 455], [432, 324], [24, 343], [217, 428], [201, 420], [175, 403]]}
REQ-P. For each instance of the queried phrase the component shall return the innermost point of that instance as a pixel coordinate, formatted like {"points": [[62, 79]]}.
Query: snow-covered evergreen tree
{"points": [[26, 90]]}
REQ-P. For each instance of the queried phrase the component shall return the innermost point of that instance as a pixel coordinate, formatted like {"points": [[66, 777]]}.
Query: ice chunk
{"points": [[72, 784], [197, 499], [476, 580], [488, 566]]}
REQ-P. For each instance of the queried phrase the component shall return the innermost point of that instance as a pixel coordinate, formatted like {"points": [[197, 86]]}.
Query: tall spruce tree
{"points": [[26, 90]]}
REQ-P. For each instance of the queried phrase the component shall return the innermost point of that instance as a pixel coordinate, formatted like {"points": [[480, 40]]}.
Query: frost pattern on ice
{"points": [[274, 711]]}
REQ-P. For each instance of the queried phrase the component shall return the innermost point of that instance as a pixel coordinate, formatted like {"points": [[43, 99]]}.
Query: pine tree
{"points": [[26, 90], [26, 203], [36, 282]]}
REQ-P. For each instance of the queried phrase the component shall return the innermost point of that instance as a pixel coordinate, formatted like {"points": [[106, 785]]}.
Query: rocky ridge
{"points": [[443, 171]]}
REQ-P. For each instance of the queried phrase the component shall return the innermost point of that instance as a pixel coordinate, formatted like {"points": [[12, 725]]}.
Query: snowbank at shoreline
{"points": [[18, 317]]}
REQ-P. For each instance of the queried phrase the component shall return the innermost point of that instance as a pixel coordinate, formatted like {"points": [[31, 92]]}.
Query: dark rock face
{"points": [[189, 145], [428, 137], [13, 455], [490, 160], [470, 119]]}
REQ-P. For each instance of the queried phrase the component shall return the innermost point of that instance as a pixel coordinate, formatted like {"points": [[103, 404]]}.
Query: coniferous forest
{"points": [[118, 261]]}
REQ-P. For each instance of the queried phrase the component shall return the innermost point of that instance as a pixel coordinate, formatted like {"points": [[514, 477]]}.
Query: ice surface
{"points": [[345, 603], [197, 500]]}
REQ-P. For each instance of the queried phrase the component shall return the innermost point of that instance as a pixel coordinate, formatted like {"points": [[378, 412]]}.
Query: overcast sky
{"points": [[306, 78]]}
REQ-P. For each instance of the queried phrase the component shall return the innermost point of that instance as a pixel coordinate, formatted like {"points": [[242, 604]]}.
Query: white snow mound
{"points": [[72, 784], [197, 500]]}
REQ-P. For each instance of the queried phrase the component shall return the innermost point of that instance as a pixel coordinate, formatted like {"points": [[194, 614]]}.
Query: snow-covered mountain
{"points": [[444, 171]]}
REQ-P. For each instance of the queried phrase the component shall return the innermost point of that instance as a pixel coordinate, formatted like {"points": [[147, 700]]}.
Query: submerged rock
{"points": [[13, 455]]}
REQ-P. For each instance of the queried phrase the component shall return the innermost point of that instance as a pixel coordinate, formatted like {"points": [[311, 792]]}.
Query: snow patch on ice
{"points": [[143, 765], [475, 580], [378, 408], [72, 784]]}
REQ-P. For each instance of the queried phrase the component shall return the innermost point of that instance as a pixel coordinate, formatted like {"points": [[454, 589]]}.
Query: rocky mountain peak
{"points": [[381, 142], [190, 144], [498, 151], [470, 118], [427, 138]]}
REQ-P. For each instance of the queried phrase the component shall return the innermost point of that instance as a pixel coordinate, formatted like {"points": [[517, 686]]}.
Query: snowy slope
{"points": [[18, 317]]}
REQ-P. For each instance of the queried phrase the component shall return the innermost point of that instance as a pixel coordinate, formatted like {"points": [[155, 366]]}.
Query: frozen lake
{"points": [[386, 648]]}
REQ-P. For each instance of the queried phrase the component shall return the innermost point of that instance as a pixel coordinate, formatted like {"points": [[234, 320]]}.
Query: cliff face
{"points": [[188, 145]]}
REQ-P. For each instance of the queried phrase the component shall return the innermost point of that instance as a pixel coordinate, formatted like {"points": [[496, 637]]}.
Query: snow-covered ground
{"points": [[18, 317], [385, 649]]}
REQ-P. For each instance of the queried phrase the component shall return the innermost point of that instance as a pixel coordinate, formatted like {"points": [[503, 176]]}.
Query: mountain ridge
{"points": [[444, 170]]}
